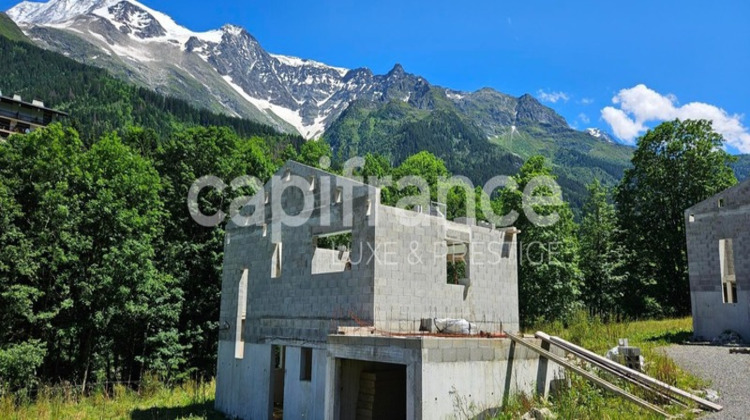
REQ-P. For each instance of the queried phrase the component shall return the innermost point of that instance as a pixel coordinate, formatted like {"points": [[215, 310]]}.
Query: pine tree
{"points": [[602, 256]]}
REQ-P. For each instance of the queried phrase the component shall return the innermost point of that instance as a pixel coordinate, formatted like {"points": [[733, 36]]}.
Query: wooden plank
{"points": [[625, 371], [590, 376]]}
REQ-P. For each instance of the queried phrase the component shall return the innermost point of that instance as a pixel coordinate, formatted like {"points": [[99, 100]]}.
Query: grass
{"points": [[154, 401], [582, 400], [10, 30]]}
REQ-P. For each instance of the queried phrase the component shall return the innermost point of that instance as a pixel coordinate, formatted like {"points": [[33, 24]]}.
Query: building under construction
{"points": [[340, 311], [718, 243]]}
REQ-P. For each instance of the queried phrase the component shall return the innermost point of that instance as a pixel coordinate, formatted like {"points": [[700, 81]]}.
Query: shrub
{"points": [[18, 365]]}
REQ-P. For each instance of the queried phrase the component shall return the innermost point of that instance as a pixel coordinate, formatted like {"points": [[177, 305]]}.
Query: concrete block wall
{"points": [[706, 224], [411, 275], [298, 308], [299, 305], [329, 261], [389, 284]]}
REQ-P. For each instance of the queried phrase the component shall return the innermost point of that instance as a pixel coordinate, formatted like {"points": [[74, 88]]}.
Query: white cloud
{"points": [[622, 126], [552, 97], [586, 101], [639, 105], [584, 118]]}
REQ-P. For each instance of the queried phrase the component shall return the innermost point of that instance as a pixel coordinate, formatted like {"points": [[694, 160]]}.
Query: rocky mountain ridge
{"points": [[228, 70]]}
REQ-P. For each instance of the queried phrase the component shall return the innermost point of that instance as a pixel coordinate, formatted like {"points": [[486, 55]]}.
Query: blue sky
{"points": [[575, 56]]}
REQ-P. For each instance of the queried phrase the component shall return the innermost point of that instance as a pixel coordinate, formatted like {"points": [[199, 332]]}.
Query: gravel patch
{"points": [[729, 375]]}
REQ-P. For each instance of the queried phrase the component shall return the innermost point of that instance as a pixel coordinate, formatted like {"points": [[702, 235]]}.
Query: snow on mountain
{"points": [[455, 95], [294, 118], [300, 62], [288, 91], [133, 20], [599, 134], [57, 11], [228, 70], [143, 21], [132, 15]]}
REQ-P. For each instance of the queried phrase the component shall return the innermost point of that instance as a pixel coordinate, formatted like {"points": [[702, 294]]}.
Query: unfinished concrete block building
{"points": [[321, 330], [718, 242]]}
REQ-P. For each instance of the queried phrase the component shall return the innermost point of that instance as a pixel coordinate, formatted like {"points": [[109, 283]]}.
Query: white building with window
{"points": [[718, 243]]}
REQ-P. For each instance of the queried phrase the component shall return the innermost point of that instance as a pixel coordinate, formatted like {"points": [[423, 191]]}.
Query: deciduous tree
{"points": [[549, 277], [676, 165]]}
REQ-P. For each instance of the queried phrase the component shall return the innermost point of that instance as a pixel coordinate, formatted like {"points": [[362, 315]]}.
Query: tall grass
{"points": [[583, 400], [152, 401]]}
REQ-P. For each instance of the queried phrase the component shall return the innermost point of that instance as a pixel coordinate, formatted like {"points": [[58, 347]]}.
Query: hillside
{"points": [[398, 129], [10, 30], [100, 103], [577, 158], [479, 134], [742, 167]]}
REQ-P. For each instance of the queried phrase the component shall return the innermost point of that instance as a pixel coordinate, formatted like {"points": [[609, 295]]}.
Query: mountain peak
{"points": [[397, 70], [529, 109], [233, 29], [135, 20], [288, 92]]}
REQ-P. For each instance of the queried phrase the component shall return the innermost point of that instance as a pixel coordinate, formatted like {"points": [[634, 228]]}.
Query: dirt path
{"points": [[729, 375]]}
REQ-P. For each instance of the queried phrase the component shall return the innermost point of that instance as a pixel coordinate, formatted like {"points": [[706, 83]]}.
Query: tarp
{"points": [[455, 326]]}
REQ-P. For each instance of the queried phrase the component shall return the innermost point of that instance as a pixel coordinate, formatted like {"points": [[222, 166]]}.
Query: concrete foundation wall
{"points": [[243, 386], [304, 399], [707, 224], [447, 378], [471, 378]]}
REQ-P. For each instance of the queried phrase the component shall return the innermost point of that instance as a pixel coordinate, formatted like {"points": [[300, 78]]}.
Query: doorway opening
{"points": [[372, 390]]}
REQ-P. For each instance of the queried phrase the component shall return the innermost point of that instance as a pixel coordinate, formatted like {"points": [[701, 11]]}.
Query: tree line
{"points": [[628, 255], [104, 276]]}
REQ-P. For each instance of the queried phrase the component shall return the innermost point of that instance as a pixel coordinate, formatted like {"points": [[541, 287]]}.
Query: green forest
{"points": [[104, 277]]}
